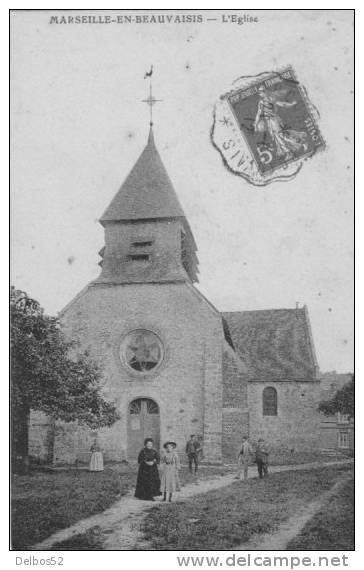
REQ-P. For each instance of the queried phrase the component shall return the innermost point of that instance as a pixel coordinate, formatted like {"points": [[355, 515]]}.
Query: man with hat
{"points": [[261, 458], [244, 458], [193, 448]]}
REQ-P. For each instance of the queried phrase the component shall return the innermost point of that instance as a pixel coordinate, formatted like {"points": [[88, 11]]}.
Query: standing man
{"points": [[261, 458], [245, 455], [193, 448]]}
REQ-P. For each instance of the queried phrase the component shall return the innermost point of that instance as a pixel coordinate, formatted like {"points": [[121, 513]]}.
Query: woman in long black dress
{"points": [[148, 482]]}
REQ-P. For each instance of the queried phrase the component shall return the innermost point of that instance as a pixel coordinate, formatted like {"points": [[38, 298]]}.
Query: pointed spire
{"points": [[147, 192]]}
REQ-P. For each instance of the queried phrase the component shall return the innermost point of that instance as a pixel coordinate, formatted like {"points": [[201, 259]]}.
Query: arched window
{"points": [[269, 401]]}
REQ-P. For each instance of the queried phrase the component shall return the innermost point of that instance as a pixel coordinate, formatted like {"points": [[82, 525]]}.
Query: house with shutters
{"points": [[171, 361]]}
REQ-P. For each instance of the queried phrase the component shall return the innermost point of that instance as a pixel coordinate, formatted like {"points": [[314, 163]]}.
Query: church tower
{"points": [[147, 236]]}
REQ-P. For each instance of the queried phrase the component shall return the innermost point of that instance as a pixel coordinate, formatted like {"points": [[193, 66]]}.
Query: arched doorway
{"points": [[143, 421]]}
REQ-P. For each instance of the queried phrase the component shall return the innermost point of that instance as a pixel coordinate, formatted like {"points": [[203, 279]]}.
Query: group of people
{"points": [[149, 484], [247, 453]]}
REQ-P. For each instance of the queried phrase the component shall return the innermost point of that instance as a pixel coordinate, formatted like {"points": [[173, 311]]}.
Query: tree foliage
{"points": [[49, 373], [342, 401]]}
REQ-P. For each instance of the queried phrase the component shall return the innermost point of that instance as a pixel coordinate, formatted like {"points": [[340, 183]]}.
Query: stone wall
{"points": [[235, 410], [297, 424]]}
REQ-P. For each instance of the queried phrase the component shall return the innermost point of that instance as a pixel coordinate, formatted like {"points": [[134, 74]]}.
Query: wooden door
{"points": [[143, 421]]}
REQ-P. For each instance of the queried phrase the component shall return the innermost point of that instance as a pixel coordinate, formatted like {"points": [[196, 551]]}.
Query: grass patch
{"points": [[301, 457], [45, 502], [333, 527], [89, 540], [224, 518]]}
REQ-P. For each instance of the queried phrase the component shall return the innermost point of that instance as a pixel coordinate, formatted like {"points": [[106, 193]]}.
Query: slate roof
{"points": [[274, 344], [147, 192]]}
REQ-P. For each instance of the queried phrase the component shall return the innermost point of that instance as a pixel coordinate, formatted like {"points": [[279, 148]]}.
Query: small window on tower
{"points": [[139, 257], [145, 243]]}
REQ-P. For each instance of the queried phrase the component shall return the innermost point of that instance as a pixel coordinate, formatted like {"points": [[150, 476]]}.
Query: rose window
{"points": [[141, 350]]}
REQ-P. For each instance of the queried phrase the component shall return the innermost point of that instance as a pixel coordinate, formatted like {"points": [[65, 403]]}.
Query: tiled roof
{"points": [[274, 344], [147, 192]]}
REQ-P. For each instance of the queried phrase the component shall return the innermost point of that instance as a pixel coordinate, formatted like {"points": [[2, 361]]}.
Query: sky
{"points": [[79, 125]]}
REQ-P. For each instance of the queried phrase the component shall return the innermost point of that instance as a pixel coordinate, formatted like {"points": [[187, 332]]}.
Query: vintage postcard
{"points": [[182, 276]]}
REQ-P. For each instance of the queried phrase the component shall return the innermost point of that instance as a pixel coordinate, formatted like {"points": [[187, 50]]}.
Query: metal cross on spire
{"points": [[151, 100]]}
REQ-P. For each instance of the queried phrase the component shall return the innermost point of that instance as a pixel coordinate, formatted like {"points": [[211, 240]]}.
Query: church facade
{"points": [[173, 364]]}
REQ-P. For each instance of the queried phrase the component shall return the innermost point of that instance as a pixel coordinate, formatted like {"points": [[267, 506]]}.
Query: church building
{"points": [[173, 364]]}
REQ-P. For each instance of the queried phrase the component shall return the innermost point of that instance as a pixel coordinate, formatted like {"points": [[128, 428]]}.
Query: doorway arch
{"points": [[143, 421]]}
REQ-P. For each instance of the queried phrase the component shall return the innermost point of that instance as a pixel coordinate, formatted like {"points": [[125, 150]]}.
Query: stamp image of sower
{"points": [[265, 127]]}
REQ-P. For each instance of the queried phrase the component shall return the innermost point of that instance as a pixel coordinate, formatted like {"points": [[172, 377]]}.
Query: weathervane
{"points": [[151, 100]]}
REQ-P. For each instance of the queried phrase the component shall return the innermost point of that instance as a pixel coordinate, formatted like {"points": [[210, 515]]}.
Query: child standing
{"points": [[97, 460], [170, 467]]}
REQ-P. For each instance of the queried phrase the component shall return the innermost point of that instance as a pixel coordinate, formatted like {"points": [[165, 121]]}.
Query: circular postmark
{"points": [[265, 127]]}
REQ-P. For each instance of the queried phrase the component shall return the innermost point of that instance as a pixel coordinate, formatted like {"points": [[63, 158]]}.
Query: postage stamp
{"points": [[266, 126]]}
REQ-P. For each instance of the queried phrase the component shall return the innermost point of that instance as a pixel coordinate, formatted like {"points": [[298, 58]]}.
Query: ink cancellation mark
{"points": [[265, 127]]}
